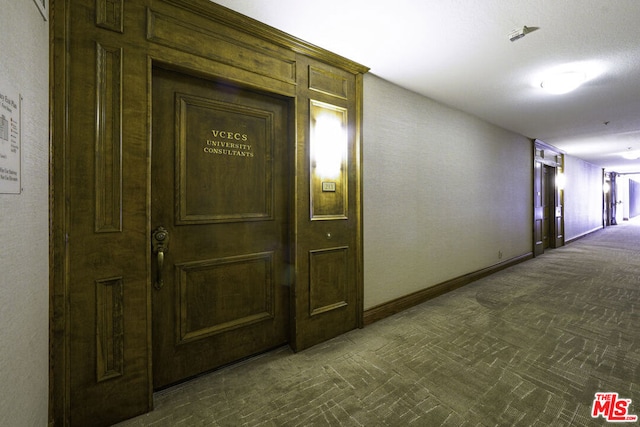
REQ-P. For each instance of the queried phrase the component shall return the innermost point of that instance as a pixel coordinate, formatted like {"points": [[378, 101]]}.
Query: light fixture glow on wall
{"points": [[329, 143], [563, 82], [560, 181]]}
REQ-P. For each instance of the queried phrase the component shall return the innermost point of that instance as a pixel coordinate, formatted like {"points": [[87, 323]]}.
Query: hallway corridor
{"points": [[528, 346]]}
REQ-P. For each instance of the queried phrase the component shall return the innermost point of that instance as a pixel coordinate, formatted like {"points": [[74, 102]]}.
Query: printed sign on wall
{"points": [[10, 148]]}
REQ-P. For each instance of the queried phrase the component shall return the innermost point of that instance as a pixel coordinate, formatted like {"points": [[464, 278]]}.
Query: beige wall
{"points": [[582, 197], [444, 193], [24, 234]]}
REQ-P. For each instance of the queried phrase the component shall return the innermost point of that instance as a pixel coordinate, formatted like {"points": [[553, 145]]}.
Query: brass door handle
{"points": [[160, 281], [160, 244]]}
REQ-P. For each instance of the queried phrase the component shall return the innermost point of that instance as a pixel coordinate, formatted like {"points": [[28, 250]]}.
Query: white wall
{"points": [[582, 197], [24, 233], [444, 193]]}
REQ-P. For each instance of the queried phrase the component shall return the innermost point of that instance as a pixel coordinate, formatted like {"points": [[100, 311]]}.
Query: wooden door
{"points": [[548, 211], [547, 205], [556, 236], [538, 209], [220, 189]]}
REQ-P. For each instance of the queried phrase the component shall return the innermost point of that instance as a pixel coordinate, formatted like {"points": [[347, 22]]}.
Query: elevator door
{"points": [[220, 215]]}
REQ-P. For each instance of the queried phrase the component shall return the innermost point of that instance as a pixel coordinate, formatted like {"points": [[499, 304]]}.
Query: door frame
{"points": [[609, 198], [547, 155], [303, 73]]}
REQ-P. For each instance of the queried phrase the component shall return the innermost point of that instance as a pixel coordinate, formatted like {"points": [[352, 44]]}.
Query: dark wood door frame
{"points": [[609, 198], [547, 155], [102, 56]]}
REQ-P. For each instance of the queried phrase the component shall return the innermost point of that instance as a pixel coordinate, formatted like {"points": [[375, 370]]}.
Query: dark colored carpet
{"points": [[528, 346]]}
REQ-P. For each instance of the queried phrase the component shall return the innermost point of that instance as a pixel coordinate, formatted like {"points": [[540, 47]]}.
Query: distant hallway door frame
{"points": [[545, 155]]}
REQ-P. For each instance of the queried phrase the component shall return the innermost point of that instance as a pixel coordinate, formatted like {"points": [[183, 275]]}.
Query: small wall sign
{"points": [[329, 187], [10, 141]]}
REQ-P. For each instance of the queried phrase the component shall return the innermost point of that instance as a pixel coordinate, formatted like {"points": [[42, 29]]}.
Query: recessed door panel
{"points": [[220, 189], [216, 165], [209, 301], [328, 281]]}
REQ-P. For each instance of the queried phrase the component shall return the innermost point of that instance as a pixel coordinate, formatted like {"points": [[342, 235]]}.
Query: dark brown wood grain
{"points": [[220, 186], [134, 86]]}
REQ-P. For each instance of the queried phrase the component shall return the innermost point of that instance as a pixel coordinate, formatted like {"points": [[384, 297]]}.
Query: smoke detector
{"points": [[519, 33]]}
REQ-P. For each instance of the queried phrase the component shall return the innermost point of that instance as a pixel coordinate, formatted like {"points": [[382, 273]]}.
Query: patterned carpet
{"points": [[528, 346]]}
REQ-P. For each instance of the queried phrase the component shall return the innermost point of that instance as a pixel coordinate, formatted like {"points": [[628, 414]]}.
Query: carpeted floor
{"points": [[528, 346]]}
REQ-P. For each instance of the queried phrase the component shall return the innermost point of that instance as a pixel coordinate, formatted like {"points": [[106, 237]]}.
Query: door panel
{"points": [[547, 206], [328, 292], [554, 224], [208, 307], [558, 213], [548, 216], [538, 209], [220, 187]]}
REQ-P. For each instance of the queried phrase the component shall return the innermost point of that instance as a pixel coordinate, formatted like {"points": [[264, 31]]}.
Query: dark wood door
{"points": [[548, 205], [220, 189], [538, 209]]}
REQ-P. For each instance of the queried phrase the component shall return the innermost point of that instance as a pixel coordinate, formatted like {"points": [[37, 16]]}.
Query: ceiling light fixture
{"points": [[631, 154], [564, 82], [563, 78]]}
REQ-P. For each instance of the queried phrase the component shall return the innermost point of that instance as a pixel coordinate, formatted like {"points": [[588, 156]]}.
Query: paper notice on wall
{"points": [[10, 141]]}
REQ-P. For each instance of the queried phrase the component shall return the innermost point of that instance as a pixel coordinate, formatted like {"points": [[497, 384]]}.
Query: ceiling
{"points": [[458, 52]]}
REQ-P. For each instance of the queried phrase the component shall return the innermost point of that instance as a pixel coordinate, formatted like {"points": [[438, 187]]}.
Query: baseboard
{"points": [[585, 234], [397, 305]]}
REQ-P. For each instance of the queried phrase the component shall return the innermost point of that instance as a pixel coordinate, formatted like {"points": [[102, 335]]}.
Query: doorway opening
{"points": [[548, 201], [548, 194]]}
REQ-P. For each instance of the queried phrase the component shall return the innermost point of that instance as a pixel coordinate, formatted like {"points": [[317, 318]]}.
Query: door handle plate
{"points": [[160, 245]]}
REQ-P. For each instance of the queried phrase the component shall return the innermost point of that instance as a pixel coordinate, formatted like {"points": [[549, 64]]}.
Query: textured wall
{"points": [[445, 193], [582, 197], [24, 288]]}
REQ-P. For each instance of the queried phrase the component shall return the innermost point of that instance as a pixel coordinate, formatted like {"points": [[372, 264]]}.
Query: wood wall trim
{"points": [[59, 23], [109, 328], [249, 25], [397, 305], [108, 143], [101, 368], [110, 15], [359, 116], [194, 39]]}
